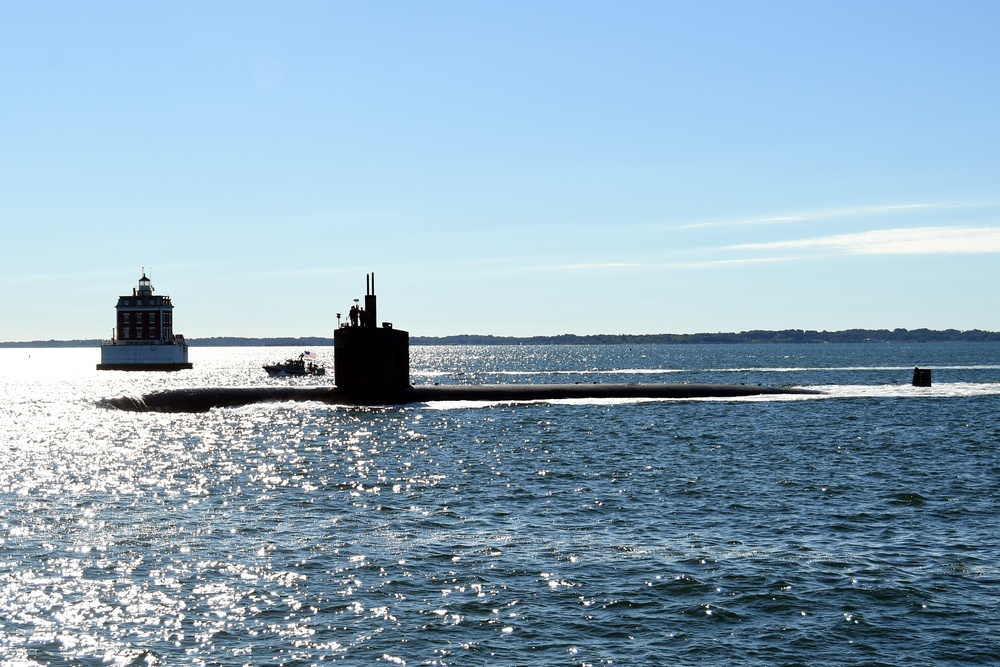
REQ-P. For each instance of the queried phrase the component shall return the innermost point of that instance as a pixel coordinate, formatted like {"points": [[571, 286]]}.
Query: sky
{"points": [[509, 168]]}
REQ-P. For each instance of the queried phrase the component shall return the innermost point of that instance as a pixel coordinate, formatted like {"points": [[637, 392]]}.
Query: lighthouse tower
{"points": [[144, 339]]}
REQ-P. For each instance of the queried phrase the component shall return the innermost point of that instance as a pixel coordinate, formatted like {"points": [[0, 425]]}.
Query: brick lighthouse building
{"points": [[144, 339]]}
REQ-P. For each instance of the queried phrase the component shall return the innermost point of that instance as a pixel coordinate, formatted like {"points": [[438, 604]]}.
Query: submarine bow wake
{"points": [[204, 399]]}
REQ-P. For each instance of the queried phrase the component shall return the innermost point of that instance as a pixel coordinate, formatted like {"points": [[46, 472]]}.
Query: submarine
{"points": [[372, 367]]}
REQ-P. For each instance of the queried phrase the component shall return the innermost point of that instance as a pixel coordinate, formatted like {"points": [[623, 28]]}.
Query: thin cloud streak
{"points": [[551, 268], [827, 214], [640, 266], [904, 241]]}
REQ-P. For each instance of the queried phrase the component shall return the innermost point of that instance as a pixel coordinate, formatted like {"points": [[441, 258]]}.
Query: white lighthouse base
{"points": [[148, 357]]}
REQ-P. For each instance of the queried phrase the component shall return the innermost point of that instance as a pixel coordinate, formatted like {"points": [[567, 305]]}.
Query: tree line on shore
{"points": [[783, 336]]}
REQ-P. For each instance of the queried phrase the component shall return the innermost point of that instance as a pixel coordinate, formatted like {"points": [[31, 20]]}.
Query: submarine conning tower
{"points": [[370, 360]]}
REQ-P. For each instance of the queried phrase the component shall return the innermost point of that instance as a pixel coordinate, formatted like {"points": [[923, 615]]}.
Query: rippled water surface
{"points": [[859, 527]]}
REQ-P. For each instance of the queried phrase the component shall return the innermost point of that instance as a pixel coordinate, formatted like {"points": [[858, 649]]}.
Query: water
{"points": [[859, 527]]}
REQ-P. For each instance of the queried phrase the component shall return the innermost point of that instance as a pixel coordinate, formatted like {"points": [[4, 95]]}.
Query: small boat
{"points": [[298, 366]]}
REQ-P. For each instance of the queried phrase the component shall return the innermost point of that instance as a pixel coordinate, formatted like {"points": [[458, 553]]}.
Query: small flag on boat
{"points": [[309, 355]]}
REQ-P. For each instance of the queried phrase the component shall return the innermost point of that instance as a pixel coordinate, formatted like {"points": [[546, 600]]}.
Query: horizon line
{"points": [[96, 342]]}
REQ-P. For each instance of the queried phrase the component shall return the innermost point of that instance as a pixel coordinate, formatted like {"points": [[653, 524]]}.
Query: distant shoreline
{"points": [[744, 337]]}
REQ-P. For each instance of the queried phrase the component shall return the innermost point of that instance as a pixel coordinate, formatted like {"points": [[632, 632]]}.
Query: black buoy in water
{"points": [[921, 377]]}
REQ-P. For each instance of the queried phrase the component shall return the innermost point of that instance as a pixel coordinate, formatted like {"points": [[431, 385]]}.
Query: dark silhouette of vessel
{"points": [[303, 365]]}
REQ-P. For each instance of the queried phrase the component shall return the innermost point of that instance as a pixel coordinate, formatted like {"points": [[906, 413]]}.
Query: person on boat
{"points": [[354, 315]]}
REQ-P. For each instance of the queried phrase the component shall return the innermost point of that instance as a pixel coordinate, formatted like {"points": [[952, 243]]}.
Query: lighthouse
{"points": [[144, 338]]}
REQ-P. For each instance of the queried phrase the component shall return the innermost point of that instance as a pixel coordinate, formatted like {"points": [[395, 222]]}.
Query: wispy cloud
{"points": [[846, 212], [557, 268], [906, 241]]}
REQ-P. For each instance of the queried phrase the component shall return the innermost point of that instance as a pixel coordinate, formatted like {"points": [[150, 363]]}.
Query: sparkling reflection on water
{"points": [[856, 529]]}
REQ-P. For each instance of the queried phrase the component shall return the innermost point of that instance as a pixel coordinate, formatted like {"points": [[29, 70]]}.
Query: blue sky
{"points": [[515, 168]]}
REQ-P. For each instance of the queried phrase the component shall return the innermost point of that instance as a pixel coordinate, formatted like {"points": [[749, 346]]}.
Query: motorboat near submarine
{"points": [[372, 367], [304, 365]]}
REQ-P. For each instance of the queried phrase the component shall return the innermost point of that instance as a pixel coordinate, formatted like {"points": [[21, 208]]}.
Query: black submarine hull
{"points": [[202, 400]]}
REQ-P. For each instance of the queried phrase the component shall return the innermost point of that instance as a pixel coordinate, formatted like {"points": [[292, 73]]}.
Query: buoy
{"points": [[921, 377]]}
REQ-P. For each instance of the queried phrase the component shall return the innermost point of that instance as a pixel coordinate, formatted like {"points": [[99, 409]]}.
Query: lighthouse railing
{"points": [[177, 339]]}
